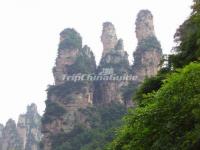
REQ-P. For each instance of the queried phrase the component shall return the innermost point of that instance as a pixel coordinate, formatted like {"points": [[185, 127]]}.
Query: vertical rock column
{"points": [[65, 98], [70, 43], [29, 128], [11, 140], [108, 37], [1, 135], [115, 59], [148, 53], [26, 135]]}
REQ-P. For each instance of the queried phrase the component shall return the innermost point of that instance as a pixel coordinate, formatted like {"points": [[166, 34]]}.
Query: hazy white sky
{"points": [[29, 35]]}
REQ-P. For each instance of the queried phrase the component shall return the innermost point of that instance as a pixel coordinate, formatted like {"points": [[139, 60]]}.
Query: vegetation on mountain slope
{"points": [[168, 112], [169, 118], [103, 121], [72, 39]]}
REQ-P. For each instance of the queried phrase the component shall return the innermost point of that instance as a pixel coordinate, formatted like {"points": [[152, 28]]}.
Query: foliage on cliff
{"points": [[63, 90], [169, 120], [129, 91], [149, 44], [149, 85], [117, 60], [71, 39], [52, 111], [188, 39], [85, 63], [103, 121], [168, 115]]}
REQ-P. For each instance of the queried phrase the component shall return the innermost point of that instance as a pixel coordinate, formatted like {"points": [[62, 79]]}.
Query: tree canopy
{"points": [[168, 113]]}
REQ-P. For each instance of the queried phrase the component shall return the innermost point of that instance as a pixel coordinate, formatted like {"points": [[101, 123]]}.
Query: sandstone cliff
{"points": [[29, 128], [1, 135], [66, 97], [114, 61], [11, 139], [73, 107], [26, 135], [108, 37], [148, 53]]}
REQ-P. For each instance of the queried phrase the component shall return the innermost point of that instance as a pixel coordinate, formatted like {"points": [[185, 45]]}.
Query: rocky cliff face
{"points": [[1, 135], [67, 53], [66, 95], [148, 52], [29, 128], [114, 61], [11, 139], [108, 37], [144, 25], [1, 130], [26, 135], [71, 96]]}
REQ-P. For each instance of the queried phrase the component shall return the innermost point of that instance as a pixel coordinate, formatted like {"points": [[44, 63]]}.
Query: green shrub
{"points": [[52, 111], [103, 121], [72, 39], [118, 68], [149, 43], [188, 40], [129, 91], [171, 118], [64, 90], [83, 63], [149, 85]]}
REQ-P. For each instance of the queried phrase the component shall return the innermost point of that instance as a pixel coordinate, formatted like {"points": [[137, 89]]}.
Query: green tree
{"points": [[149, 85], [171, 119], [168, 114], [102, 119], [188, 40], [71, 39]]}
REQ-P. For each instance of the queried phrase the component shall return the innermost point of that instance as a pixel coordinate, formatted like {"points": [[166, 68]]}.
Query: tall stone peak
{"points": [[10, 137], [1, 135], [108, 37], [148, 53], [30, 115], [32, 108], [115, 59], [66, 95], [66, 100], [26, 135], [10, 124], [1, 130], [68, 50], [70, 39], [87, 50], [29, 128], [144, 25], [119, 45]]}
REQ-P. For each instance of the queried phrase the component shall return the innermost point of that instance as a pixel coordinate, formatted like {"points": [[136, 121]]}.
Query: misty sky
{"points": [[29, 35]]}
